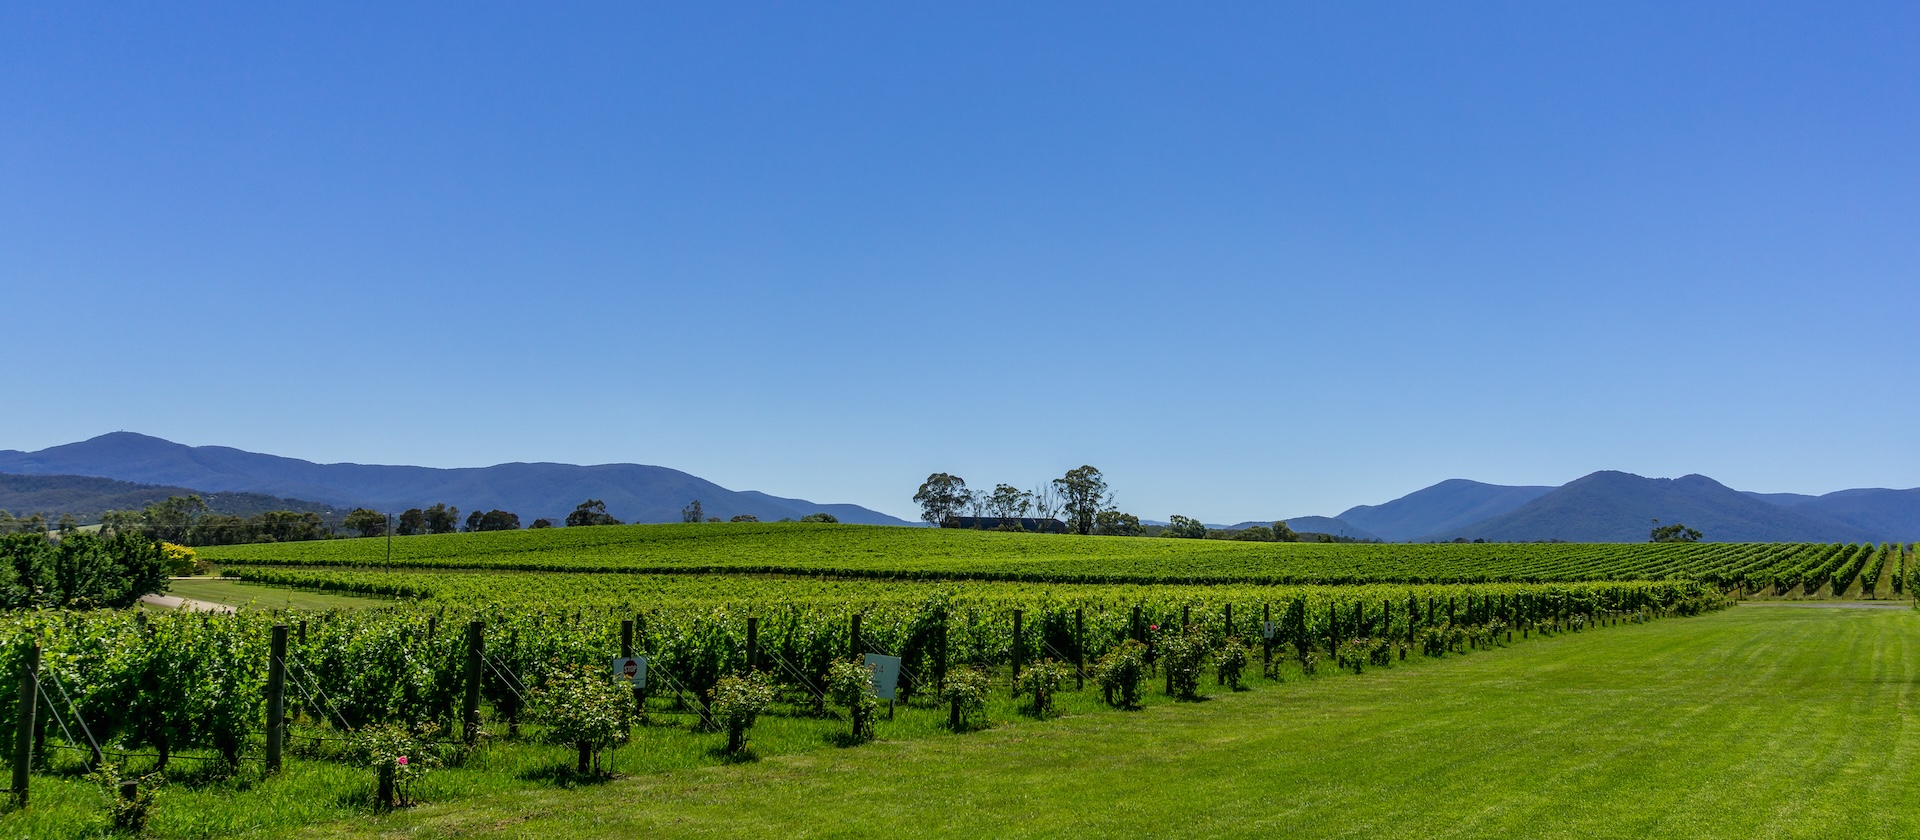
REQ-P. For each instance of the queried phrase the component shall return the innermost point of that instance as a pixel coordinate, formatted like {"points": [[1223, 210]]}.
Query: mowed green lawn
{"points": [[254, 596], [1760, 721]]}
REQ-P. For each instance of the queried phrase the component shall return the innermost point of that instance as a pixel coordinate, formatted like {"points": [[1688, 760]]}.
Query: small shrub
{"points": [[399, 756], [126, 814], [1352, 655], [1120, 672], [1185, 654], [1231, 665], [1380, 652], [737, 703], [1040, 682], [850, 684], [588, 708], [1309, 662], [965, 694]]}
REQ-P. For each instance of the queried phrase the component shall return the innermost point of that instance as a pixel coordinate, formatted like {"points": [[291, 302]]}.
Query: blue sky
{"points": [[1251, 260]]}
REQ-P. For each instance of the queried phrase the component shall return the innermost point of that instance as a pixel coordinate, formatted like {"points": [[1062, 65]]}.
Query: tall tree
{"points": [[1672, 533], [412, 521], [1184, 528], [941, 497], [1008, 502], [497, 520], [692, 512], [590, 512], [1083, 494], [171, 520], [1113, 523], [1046, 505], [369, 523], [442, 519]]}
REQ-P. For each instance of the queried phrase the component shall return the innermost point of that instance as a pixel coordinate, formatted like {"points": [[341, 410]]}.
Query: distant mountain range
{"points": [[632, 492], [1613, 506], [122, 471], [86, 497]]}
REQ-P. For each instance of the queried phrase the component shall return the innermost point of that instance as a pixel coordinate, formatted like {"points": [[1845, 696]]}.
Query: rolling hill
{"points": [[86, 497], [1613, 506], [632, 492], [1444, 507]]}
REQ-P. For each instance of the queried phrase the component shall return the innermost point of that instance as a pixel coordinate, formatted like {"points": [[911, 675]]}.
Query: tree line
{"points": [[82, 571], [1083, 498]]}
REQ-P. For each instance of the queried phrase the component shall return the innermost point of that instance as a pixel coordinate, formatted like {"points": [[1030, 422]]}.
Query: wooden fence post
{"points": [[276, 696], [940, 655], [753, 644], [854, 638], [1266, 641], [1018, 649], [1229, 619], [1079, 648], [470, 704], [23, 722]]}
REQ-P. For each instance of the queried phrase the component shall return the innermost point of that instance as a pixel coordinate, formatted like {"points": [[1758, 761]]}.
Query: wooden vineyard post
{"points": [[1079, 649], [470, 703], [23, 722], [1138, 636], [433, 625], [940, 658], [626, 638], [1359, 618], [1333, 629], [854, 637], [1186, 618], [1229, 620], [753, 644], [1018, 649], [303, 632], [1413, 617], [1266, 640], [276, 696]]}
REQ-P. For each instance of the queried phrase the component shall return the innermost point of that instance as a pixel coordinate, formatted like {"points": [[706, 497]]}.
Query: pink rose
{"points": [[402, 761]]}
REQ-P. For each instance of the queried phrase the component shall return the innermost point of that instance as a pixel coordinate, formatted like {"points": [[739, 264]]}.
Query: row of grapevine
{"points": [[876, 553], [175, 681]]}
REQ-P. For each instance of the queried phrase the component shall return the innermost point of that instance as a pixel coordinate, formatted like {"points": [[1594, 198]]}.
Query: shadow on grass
{"points": [[847, 739], [745, 756], [566, 776]]}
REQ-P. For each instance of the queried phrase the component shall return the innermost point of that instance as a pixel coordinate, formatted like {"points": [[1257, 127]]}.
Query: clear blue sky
{"points": [[1251, 260]]}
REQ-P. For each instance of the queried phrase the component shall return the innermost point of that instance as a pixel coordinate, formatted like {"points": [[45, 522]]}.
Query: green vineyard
{"points": [[475, 647], [943, 554]]}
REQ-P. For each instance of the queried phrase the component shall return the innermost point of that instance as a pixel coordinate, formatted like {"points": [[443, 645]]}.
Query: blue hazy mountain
{"points": [[1613, 506], [86, 497], [1308, 525], [632, 492], [1444, 507], [1893, 514]]}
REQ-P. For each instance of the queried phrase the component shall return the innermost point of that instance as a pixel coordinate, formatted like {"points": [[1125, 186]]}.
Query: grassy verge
{"points": [[244, 595], [1754, 722]]}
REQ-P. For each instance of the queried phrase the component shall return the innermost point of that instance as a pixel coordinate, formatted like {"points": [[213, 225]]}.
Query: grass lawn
{"points": [[245, 595], [1759, 721]]}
